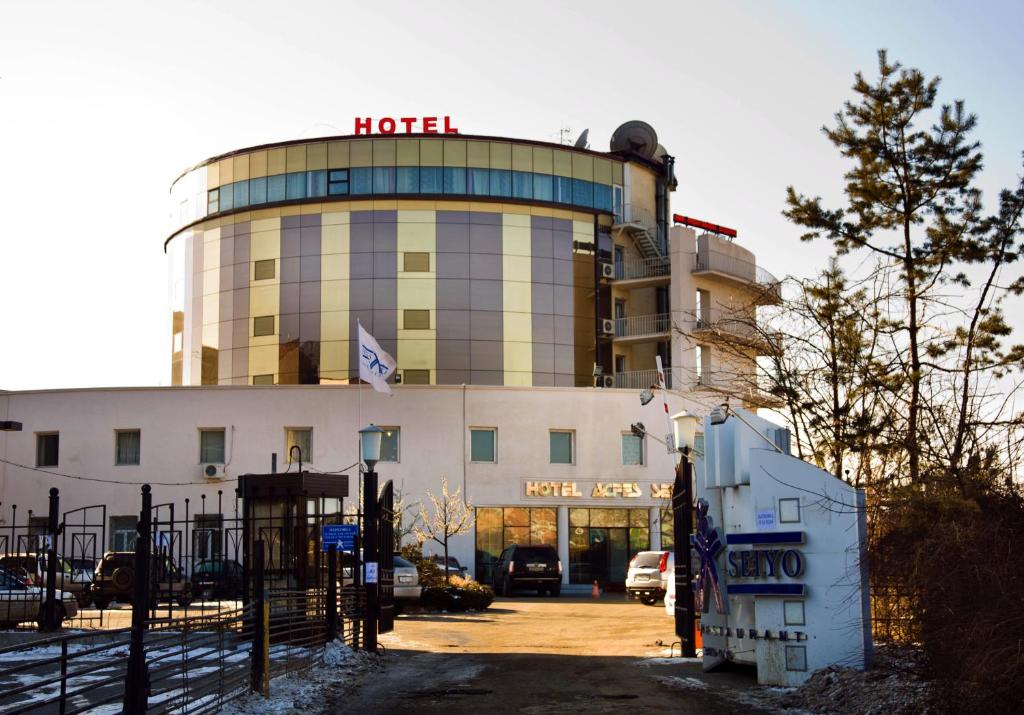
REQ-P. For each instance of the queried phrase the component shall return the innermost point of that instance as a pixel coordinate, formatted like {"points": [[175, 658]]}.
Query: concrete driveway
{"points": [[543, 655]]}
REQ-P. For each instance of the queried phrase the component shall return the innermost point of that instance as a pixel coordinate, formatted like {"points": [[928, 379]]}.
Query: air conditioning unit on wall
{"points": [[212, 470], [607, 326], [607, 271], [608, 381]]}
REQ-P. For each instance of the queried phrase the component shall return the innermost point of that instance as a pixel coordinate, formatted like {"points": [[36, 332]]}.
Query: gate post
{"points": [[49, 621], [332, 593], [260, 625], [136, 690], [371, 559]]}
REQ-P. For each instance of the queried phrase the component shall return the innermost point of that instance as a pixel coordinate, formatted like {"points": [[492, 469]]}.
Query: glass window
{"points": [[501, 182], [211, 446], [276, 188], [561, 446], [416, 319], [337, 182], [301, 437], [241, 193], [361, 181], [47, 449], [258, 191], [129, 446], [407, 180], [227, 197], [384, 180], [416, 377], [123, 530], [263, 379], [416, 262], [617, 202], [563, 190], [213, 201], [295, 187], [316, 183], [454, 180], [265, 269], [482, 443], [667, 519], [431, 180], [582, 192], [479, 182], [390, 444], [522, 184], [602, 197], [632, 449], [542, 187], [263, 325]]}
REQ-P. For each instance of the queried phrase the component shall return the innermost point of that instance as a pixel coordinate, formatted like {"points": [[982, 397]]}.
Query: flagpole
{"points": [[359, 445]]}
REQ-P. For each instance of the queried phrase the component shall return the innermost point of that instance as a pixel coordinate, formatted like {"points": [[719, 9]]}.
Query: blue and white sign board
{"points": [[341, 535], [783, 579]]}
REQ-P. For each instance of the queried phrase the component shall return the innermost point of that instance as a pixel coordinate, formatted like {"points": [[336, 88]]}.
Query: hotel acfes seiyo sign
{"points": [[405, 125], [597, 490]]}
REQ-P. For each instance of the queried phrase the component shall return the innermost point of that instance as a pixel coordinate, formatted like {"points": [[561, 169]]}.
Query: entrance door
{"points": [[609, 554]]}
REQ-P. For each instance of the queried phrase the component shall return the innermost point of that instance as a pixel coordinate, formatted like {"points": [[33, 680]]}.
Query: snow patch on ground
{"points": [[340, 669], [681, 683]]}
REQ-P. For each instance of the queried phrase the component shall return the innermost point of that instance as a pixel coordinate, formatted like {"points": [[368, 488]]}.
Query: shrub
{"points": [[467, 596]]}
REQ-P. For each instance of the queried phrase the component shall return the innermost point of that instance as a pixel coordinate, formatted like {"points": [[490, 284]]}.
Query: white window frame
{"points": [[398, 456], [494, 450], [306, 458], [224, 434], [643, 450], [572, 445]]}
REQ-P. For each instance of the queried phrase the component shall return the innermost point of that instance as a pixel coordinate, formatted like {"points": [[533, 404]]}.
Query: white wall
{"points": [[434, 423]]}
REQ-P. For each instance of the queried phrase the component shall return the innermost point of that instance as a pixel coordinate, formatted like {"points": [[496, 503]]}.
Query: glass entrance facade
{"points": [[498, 527], [602, 541]]}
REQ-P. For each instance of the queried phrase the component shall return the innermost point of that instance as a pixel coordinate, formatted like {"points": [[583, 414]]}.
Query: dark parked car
{"points": [[114, 579], [528, 567], [216, 580]]}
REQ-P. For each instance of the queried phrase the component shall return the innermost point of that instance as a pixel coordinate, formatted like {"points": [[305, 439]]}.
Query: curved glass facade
{"points": [[458, 291], [416, 165]]}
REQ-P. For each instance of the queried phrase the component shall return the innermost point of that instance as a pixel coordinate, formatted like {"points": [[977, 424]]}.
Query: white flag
{"points": [[375, 365]]}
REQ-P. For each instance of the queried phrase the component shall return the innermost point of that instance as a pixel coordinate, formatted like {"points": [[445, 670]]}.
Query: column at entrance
{"points": [[654, 519], [563, 541]]}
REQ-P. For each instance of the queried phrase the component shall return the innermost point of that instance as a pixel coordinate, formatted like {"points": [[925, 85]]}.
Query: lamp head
{"points": [[720, 414], [638, 429], [646, 396], [369, 440]]}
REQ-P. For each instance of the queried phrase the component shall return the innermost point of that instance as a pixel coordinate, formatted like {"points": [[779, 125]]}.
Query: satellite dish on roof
{"points": [[635, 137], [582, 143]]}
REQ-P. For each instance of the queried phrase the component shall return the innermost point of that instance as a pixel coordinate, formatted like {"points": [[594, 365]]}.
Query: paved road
{"points": [[540, 656]]}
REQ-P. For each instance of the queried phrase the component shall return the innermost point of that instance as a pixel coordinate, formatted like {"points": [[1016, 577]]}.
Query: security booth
{"points": [[286, 512]]}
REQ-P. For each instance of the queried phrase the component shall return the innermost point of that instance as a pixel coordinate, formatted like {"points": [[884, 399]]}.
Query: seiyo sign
{"points": [[405, 125]]}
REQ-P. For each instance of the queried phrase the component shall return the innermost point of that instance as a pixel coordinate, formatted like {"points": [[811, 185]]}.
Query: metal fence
{"points": [[204, 607]]}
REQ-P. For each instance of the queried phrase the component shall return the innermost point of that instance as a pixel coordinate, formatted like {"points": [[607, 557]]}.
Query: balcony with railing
{"points": [[714, 262], [637, 328], [724, 326], [638, 272], [746, 394], [641, 379]]}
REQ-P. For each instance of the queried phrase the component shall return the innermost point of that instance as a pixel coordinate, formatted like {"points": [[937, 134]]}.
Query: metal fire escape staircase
{"points": [[642, 226]]}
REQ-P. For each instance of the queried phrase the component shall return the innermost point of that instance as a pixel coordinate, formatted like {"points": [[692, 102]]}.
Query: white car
{"points": [[22, 603], [647, 578], [670, 591], [407, 581]]}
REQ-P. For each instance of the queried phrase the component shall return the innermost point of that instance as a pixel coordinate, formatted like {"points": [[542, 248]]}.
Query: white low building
{"points": [[540, 465]]}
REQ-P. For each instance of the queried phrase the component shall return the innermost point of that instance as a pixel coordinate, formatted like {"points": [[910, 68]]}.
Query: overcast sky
{"points": [[103, 104]]}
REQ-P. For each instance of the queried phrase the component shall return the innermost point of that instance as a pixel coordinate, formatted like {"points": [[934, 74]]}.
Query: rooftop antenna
{"points": [[564, 135], [582, 142]]}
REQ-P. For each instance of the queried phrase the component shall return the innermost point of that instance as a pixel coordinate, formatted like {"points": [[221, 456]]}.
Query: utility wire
{"points": [[126, 481]]}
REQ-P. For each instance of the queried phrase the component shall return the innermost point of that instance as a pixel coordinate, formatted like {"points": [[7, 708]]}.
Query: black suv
{"points": [[528, 567], [115, 579]]}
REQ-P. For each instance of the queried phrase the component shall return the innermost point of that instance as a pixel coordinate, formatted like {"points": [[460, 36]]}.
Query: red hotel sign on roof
{"points": [[409, 125]]}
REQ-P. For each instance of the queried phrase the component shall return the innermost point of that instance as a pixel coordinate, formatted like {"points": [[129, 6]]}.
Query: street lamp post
{"points": [[370, 438]]}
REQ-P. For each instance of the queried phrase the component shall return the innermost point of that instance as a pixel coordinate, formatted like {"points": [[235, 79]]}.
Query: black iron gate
{"points": [[386, 544]]}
